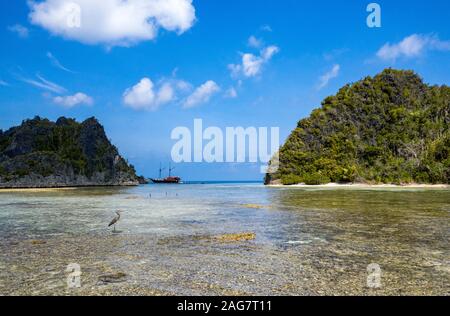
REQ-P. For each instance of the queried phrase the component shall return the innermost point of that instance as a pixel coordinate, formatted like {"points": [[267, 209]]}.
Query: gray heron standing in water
{"points": [[115, 220]]}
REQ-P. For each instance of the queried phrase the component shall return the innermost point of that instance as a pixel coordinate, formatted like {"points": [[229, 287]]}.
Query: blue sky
{"points": [[141, 81]]}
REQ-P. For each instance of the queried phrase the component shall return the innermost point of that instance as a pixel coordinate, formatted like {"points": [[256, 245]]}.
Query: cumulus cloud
{"points": [[325, 79], [202, 94], [20, 30], [112, 22], [145, 95], [252, 65], [71, 101], [42, 83], [165, 94], [412, 46]]}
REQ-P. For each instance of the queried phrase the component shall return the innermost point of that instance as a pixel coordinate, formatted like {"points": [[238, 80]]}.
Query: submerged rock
{"points": [[236, 237], [113, 278], [253, 206], [38, 242]]}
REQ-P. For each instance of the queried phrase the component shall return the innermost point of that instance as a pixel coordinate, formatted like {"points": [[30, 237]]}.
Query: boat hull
{"points": [[169, 180]]}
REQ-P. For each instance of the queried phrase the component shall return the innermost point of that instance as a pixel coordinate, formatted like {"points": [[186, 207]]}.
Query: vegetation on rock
{"points": [[391, 128], [68, 151]]}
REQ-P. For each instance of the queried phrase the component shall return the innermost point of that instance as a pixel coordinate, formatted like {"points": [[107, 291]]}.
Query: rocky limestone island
{"points": [[388, 129], [44, 154]]}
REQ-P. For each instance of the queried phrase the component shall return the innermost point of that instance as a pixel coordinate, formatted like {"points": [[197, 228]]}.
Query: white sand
{"points": [[36, 190], [363, 186]]}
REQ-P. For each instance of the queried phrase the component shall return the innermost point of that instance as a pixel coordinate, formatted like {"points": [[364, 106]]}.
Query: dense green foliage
{"points": [[391, 128], [66, 147]]}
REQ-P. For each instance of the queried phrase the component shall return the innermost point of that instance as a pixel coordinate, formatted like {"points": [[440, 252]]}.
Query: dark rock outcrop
{"points": [[40, 153]]}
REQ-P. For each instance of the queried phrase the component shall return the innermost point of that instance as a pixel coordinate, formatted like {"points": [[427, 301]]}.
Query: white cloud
{"points": [[145, 95], [56, 62], [20, 30], [254, 42], [269, 52], [412, 46], [4, 83], [45, 84], [235, 70], [202, 94], [251, 64], [165, 94], [73, 100], [231, 93], [112, 22], [140, 96], [182, 85], [325, 79]]}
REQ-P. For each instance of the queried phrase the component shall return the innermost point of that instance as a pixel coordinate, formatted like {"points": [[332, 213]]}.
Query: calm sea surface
{"points": [[308, 241]]}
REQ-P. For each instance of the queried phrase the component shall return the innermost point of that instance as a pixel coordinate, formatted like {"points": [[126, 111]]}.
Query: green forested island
{"points": [[41, 153], [391, 128]]}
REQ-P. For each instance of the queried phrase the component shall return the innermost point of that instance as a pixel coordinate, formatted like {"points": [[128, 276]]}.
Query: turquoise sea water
{"points": [[274, 213], [322, 230]]}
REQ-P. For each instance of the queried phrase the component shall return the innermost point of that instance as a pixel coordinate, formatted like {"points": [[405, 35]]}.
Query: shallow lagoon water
{"points": [[309, 241]]}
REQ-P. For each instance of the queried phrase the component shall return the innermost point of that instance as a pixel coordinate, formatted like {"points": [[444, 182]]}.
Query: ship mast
{"points": [[170, 169], [161, 169]]}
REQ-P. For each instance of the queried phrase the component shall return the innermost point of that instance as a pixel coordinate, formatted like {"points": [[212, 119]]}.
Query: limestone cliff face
{"points": [[40, 153]]}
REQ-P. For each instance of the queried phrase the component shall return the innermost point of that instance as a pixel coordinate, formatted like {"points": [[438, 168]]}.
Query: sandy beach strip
{"points": [[36, 190], [364, 186]]}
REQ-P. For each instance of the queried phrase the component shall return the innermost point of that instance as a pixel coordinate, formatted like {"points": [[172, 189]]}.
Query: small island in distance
{"points": [[44, 154], [388, 129]]}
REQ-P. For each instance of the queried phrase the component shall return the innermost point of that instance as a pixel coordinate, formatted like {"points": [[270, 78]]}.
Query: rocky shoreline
{"points": [[63, 187], [37, 181]]}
